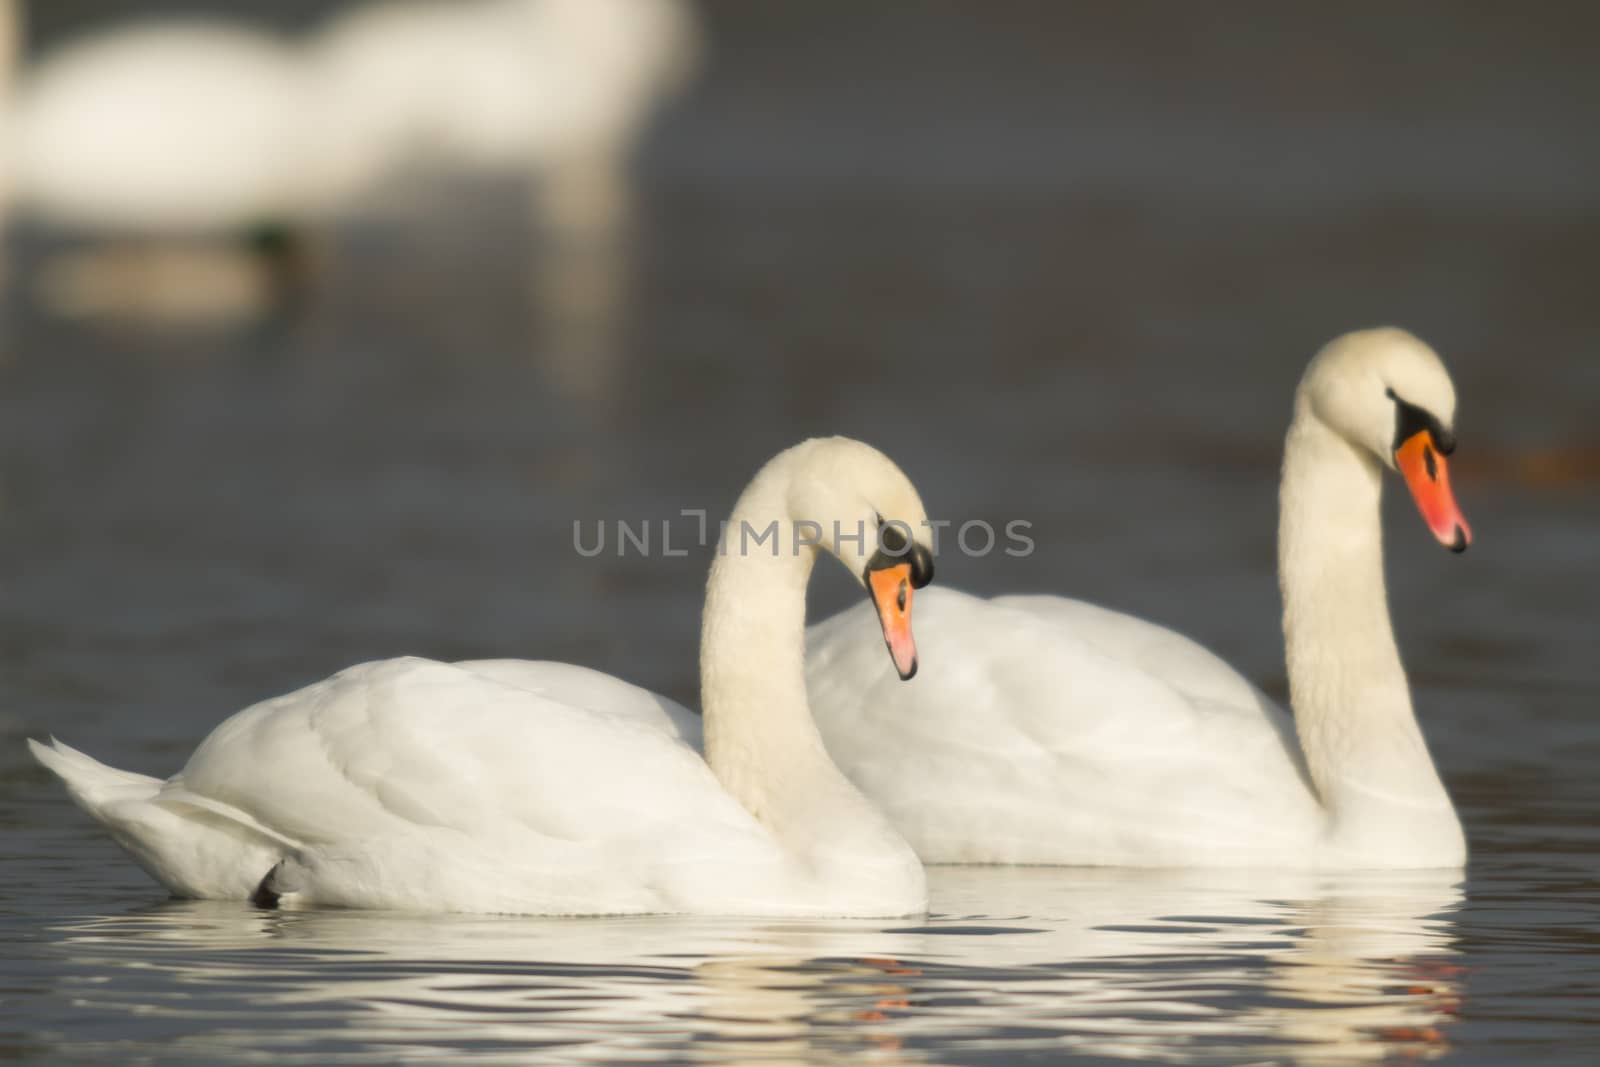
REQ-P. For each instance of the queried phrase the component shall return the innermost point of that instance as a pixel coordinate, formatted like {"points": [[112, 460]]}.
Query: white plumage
{"points": [[1047, 730], [413, 784], [509, 786], [203, 125], [196, 125]]}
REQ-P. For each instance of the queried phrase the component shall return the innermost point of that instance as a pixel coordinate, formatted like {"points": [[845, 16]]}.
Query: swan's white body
{"points": [[543, 788], [206, 125], [192, 125], [1046, 730], [493, 84], [1064, 733]]}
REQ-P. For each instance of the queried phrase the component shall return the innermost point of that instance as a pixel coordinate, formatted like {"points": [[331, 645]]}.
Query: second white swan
{"points": [[1052, 731]]}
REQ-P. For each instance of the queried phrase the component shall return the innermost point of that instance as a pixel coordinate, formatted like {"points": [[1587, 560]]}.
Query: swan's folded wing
{"points": [[1042, 730], [584, 687], [384, 748]]}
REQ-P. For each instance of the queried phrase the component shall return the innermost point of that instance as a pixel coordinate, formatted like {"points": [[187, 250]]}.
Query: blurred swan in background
{"points": [[158, 149], [555, 88], [192, 126], [551, 92], [205, 129], [1049, 730]]}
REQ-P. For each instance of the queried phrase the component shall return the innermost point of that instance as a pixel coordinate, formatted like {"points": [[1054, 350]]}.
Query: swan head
{"points": [[1388, 393], [861, 508]]}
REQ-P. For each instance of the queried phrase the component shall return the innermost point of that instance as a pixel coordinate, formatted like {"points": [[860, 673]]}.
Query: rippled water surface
{"points": [[1066, 272], [1192, 968]]}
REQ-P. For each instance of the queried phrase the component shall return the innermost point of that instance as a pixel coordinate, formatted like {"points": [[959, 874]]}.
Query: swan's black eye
{"points": [[892, 539]]}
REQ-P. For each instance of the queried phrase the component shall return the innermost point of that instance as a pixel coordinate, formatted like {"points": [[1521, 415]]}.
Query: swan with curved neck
{"points": [[1066, 733], [544, 788]]}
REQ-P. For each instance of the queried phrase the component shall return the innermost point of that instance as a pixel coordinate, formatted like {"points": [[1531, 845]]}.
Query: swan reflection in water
{"points": [[1178, 966]]}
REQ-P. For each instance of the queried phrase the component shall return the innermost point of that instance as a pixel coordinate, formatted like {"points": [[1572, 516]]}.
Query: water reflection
{"points": [[580, 303], [1191, 967]]}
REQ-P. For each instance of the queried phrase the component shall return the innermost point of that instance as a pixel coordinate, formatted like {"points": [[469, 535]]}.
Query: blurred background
{"points": [[325, 322]]}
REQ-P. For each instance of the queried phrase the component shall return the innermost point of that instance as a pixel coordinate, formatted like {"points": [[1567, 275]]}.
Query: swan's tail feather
{"points": [[192, 847], [92, 784]]}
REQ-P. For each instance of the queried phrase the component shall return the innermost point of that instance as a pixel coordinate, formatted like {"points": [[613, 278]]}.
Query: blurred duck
{"points": [[545, 788], [1050, 731]]}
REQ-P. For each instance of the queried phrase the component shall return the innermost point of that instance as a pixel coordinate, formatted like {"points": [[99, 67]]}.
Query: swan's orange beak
{"points": [[891, 595], [1428, 478]]}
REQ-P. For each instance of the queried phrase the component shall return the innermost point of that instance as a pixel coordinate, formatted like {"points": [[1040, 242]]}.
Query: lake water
{"points": [[1065, 271]]}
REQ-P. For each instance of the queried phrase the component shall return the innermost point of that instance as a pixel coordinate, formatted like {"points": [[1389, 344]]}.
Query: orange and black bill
{"points": [[891, 595], [1428, 477]]}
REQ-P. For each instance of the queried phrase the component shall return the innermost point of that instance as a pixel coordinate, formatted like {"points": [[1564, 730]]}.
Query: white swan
{"points": [[511, 786], [554, 88], [206, 125], [1048, 730], [189, 125], [168, 141]]}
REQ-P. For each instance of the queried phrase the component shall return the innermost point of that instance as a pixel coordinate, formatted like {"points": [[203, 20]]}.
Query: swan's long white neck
{"points": [[760, 738], [1352, 706]]}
